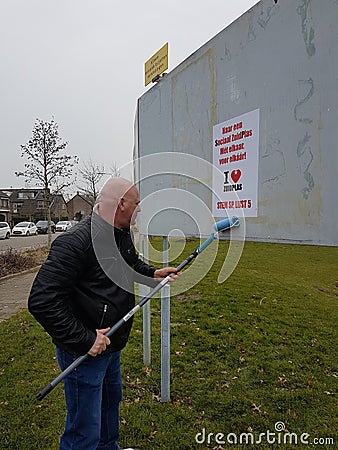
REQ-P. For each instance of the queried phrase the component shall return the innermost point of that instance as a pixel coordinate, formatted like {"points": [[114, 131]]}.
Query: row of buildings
{"points": [[17, 205]]}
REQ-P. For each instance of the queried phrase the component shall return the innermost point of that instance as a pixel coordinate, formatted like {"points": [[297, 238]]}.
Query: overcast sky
{"points": [[82, 61]]}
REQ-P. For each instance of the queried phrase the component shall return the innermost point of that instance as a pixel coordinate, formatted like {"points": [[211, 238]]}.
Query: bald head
{"points": [[118, 202], [115, 188]]}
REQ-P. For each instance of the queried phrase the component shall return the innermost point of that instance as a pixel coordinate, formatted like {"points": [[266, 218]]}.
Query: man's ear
{"points": [[122, 203]]}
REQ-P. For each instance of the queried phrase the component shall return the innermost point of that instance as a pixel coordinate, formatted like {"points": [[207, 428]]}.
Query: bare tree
{"points": [[114, 170], [91, 174], [46, 165]]}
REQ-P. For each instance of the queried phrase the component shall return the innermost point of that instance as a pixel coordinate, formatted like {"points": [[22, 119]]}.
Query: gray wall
{"points": [[282, 58]]}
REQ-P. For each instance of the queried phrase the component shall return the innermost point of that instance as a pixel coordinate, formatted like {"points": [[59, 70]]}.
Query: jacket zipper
{"points": [[103, 315]]}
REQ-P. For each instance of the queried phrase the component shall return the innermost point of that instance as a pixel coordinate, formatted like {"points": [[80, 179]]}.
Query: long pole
{"points": [[143, 290], [165, 331]]}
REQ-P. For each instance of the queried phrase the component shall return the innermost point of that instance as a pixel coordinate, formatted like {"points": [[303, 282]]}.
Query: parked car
{"points": [[42, 226], [5, 230], [24, 229], [63, 225]]}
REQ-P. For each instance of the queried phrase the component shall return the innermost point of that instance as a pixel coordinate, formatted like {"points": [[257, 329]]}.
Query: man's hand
{"points": [[100, 343], [160, 274]]}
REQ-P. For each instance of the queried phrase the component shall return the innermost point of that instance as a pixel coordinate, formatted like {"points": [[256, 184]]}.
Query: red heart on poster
{"points": [[236, 175]]}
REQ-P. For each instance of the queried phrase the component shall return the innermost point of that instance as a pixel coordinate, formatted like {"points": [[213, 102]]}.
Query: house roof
{"points": [[3, 194], [80, 196]]}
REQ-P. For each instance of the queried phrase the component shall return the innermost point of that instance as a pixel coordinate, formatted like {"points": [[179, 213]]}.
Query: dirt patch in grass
{"points": [[14, 261]]}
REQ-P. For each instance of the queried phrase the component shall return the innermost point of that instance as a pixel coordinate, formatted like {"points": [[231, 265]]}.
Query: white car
{"points": [[5, 231], [63, 225], [24, 229]]}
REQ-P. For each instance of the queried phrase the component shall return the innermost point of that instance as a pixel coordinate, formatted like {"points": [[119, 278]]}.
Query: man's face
{"points": [[131, 201]]}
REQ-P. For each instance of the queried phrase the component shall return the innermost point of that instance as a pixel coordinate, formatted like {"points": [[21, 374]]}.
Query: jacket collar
{"points": [[107, 227]]}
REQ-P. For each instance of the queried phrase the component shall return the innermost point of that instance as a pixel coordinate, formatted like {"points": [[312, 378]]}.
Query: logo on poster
{"points": [[233, 185]]}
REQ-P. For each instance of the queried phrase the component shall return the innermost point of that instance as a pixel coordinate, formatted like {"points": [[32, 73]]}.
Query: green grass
{"points": [[258, 349]]}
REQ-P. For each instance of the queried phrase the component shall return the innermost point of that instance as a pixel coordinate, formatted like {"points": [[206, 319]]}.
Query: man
{"points": [[84, 287]]}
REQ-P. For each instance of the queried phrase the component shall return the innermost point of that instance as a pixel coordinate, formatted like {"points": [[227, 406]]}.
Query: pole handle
{"points": [[46, 390]]}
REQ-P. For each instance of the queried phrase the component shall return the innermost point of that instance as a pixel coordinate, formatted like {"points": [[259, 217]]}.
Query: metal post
{"points": [[165, 332], [143, 291]]}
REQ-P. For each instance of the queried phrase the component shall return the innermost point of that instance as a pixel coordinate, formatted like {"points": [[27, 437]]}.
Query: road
{"points": [[21, 242]]}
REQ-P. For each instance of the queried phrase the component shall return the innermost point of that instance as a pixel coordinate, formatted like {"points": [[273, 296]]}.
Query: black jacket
{"points": [[87, 283]]}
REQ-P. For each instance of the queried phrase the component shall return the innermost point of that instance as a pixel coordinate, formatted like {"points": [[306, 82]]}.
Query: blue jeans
{"points": [[93, 392]]}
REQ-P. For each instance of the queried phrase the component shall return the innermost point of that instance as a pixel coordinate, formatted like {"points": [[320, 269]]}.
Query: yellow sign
{"points": [[156, 65]]}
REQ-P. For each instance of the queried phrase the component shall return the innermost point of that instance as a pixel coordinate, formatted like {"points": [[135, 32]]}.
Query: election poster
{"points": [[235, 161]]}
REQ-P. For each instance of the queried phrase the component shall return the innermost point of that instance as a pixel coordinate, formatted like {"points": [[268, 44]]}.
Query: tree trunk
{"points": [[47, 203]]}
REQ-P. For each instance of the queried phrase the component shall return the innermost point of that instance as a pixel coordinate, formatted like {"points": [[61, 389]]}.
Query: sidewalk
{"points": [[14, 291]]}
